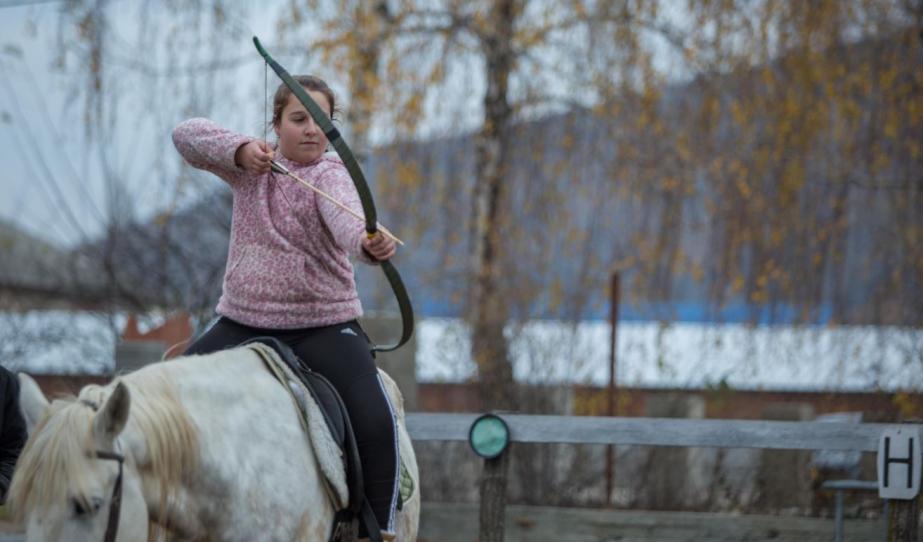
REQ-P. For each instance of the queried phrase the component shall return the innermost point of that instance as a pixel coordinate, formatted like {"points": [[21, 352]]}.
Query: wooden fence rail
{"points": [[862, 437]]}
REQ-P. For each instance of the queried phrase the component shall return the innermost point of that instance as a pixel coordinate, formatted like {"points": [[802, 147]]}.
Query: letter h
{"points": [[908, 460]]}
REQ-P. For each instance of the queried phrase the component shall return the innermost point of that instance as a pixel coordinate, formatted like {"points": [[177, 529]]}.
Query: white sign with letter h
{"points": [[899, 463]]}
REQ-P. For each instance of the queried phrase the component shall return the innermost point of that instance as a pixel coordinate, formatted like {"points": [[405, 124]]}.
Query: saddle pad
{"points": [[328, 453], [407, 486]]}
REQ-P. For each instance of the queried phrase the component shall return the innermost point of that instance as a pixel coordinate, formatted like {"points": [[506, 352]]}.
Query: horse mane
{"points": [[55, 462]]}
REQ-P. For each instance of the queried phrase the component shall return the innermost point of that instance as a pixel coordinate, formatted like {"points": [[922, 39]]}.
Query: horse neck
{"points": [[162, 443], [206, 387]]}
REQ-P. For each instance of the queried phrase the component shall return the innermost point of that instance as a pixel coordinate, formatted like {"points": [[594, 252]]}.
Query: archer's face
{"points": [[300, 139]]}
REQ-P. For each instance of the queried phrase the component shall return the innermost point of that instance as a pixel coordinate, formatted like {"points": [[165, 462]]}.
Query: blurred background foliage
{"points": [[734, 160]]}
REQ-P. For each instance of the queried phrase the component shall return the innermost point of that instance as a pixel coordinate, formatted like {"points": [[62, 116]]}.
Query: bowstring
{"points": [[265, 99]]}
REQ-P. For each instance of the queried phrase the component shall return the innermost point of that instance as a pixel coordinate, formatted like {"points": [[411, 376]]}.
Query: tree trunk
{"points": [[374, 20], [489, 312]]}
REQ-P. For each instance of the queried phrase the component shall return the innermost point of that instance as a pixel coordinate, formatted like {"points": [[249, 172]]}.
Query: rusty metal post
{"points": [[610, 407]]}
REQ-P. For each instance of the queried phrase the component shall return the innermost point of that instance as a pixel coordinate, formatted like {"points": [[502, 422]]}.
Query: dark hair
{"points": [[309, 82]]}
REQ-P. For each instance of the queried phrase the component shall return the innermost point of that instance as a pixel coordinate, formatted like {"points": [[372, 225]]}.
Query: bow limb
{"points": [[365, 194]]}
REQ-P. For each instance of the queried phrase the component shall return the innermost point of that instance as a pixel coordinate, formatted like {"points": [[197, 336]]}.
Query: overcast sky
{"points": [[25, 200], [50, 178]]}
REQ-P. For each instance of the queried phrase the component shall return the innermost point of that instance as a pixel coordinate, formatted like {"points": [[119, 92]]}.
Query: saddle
{"points": [[348, 496]]}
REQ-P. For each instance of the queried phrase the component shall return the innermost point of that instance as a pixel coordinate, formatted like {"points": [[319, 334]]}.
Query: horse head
{"points": [[72, 481]]}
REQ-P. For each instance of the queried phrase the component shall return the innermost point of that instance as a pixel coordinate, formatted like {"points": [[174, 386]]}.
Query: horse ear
{"points": [[111, 418], [32, 401]]}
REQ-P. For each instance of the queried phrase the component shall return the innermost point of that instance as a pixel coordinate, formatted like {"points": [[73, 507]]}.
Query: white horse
{"points": [[213, 451]]}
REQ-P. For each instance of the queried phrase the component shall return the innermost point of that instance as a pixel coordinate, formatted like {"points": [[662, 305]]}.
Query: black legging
{"points": [[341, 354]]}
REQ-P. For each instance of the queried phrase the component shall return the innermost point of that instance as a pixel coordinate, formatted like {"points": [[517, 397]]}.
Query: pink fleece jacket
{"points": [[288, 261]]}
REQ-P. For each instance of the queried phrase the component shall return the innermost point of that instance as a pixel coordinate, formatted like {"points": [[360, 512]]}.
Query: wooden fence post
{"points": [[493, 498], [489, 437], [903, 518]]}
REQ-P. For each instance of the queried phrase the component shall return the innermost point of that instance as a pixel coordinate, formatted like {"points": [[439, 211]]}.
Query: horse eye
{"points": [[88, 507], [79, 508]]}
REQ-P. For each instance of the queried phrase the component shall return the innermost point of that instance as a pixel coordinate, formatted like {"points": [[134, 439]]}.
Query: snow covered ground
{"points": [[650, 354], [691, 355]]}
